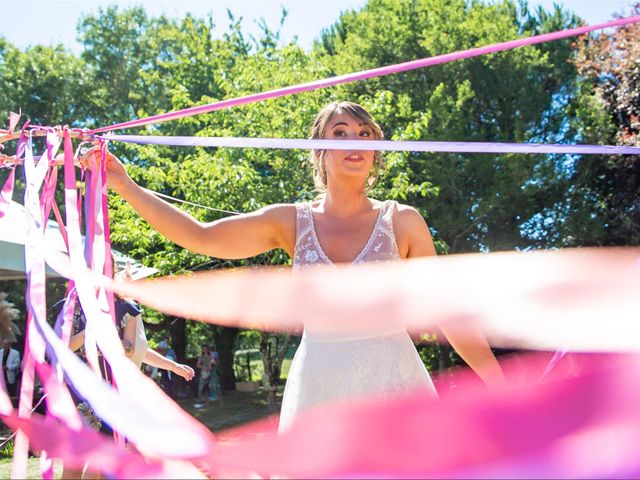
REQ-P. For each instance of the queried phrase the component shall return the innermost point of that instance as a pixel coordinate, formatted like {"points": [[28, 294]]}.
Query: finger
{"points": [[84, 158]]}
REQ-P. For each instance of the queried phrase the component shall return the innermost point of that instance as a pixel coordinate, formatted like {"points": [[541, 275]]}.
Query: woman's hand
{"points": [[185, 371], [117, 176]]}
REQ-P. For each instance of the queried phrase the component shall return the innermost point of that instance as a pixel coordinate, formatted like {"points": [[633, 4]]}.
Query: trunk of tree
{"points": [[178, 333], [225, 338], [444, 360], [273, 349]]}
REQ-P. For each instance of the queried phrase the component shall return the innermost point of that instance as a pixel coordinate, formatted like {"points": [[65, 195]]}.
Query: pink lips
{"points": [[354, 158]]}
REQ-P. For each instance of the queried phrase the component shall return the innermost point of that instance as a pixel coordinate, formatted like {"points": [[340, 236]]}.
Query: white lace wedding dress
{"points": [[337, 368]]}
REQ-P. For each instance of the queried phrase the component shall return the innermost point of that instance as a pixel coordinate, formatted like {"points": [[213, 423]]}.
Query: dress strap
{"points": [[389, 208], [304, 221]]}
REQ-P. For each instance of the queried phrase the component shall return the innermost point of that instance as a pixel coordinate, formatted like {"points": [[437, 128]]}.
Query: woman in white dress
{"points": [[344, 226]]}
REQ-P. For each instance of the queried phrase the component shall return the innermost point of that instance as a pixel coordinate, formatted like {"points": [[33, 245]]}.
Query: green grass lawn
{"points": [[33, 468], [251, 360], [238, 409]]}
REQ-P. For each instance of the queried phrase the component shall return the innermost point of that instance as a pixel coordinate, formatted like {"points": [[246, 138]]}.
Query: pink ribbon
{"points": [[558, 301], [76, 448], [7, 189], [375, 72], [34, 347], [158, 426], [34, 353], [547, 429], [7, 192], [14, 118]]}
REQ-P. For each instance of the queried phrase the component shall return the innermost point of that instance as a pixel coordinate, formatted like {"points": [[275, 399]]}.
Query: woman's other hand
{"points": [[185, 371]]}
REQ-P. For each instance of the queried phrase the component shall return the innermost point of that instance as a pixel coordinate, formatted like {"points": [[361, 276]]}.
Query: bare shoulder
{"points": [[283, 217], [280, 211], [412, 234], [409, 217]]}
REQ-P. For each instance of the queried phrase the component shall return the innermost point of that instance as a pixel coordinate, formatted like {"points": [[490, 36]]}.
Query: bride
{"points": [[343, 226]]}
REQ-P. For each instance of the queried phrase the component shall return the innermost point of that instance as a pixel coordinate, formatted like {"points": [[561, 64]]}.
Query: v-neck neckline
{"points": [[362, 251]]}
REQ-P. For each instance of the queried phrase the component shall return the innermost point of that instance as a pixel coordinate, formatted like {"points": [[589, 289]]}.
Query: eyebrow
{"points": [[346, 124]]}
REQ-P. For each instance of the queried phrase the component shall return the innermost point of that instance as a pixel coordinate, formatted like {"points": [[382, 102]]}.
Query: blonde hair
{"points": [[318, 131], [8, 316]]}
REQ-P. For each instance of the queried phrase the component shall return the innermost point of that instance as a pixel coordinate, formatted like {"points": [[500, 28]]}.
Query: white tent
{"points": [[13, 233]]}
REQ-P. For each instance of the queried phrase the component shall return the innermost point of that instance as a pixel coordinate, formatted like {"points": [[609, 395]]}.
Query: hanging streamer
{"points": [[142, 412], [7, 189], [159, 426], [34, 351]]}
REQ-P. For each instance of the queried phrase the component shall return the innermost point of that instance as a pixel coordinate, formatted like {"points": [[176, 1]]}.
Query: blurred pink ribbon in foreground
{"points": [[580, 299]]}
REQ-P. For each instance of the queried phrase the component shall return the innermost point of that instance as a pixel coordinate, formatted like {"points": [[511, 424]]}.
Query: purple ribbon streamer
{"points": [[395, 146], [362, 75]]}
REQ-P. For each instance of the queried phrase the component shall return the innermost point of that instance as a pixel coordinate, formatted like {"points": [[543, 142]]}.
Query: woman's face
{"points": [[348, 162]]}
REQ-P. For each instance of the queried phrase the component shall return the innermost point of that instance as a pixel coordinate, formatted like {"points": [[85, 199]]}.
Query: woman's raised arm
{"points": [[234, 237]]}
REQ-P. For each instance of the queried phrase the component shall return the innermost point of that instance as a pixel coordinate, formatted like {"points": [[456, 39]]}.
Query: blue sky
{"points": [[29, 22]]}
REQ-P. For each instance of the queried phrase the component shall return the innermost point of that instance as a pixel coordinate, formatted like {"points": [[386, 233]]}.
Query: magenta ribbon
{"points": [[141, 412], [387, 145], [58, 399], [547, 429], [78, 445], [7, 192], [34, 349], [7, 189], [375, 72]]}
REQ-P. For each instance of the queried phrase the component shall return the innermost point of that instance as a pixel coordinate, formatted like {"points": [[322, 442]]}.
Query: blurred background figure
{"points": [[9, 357], [208, 380]]}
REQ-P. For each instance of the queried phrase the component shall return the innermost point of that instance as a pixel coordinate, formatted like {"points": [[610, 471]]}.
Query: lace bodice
{"points": [[332, 366], [380, 247]]}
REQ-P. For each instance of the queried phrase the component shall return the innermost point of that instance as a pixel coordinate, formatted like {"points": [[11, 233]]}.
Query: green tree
{"points": [[472, 202], [49, 84], [603, 206]]}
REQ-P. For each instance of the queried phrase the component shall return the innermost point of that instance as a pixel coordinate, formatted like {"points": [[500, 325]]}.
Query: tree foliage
{"points": [[473, 202], [604, 205]]}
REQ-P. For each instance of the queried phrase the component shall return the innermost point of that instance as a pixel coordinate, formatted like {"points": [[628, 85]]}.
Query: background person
{"points": [[10, 361], [9, 357]]}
